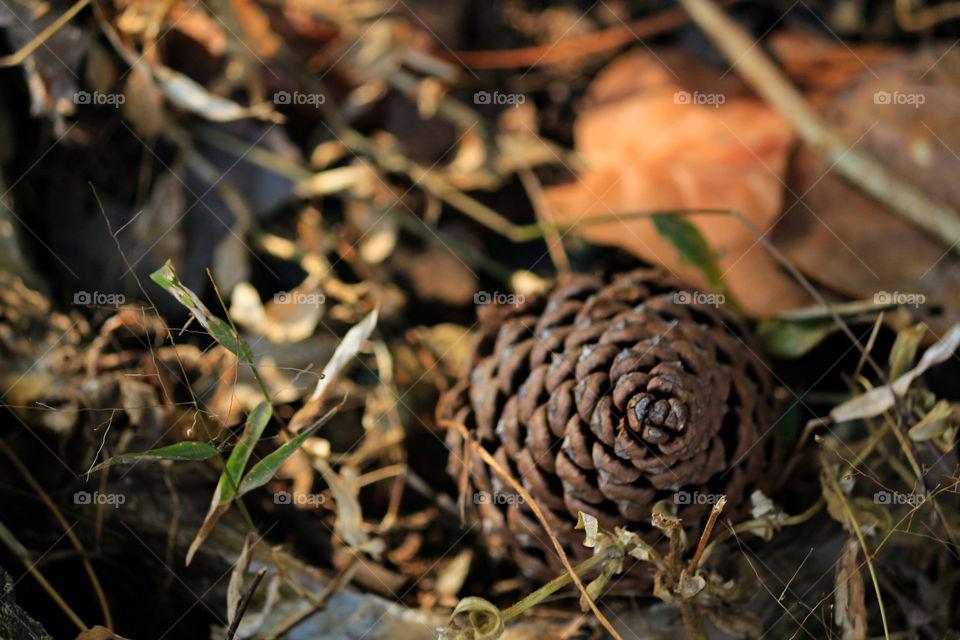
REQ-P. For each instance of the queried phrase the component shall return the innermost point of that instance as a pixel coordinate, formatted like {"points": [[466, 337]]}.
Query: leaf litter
{"points": [[170, 426]]}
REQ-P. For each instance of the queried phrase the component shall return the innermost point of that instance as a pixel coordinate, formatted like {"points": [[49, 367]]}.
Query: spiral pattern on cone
{"points": [[606, 398]]}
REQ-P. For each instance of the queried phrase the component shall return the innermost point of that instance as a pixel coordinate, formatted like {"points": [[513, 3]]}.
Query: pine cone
{"points": [[606, 398]]}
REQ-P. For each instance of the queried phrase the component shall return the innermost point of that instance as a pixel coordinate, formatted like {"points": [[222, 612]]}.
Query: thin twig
{"points": [[43, 36], [705, 536], [749, 525], [869, 346], [541, 208], [342, 579], [243, 604]]}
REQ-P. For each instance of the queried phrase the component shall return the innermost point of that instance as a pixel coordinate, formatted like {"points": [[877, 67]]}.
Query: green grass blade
{"points": [[188, 450], [166, 277], [261, 472], [690, 244], [237, 462]]}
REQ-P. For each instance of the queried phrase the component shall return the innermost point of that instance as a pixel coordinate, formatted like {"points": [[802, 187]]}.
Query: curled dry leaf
{"points": [[880, 399], [850, 612], [650, 148], [349, 347], [474, 619], [343, 485], [291, 316], [590, 526], [240, 568]]}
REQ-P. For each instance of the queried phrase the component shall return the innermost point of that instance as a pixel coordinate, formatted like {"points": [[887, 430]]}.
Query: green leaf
{"points": [[690, 244], [188, 450], [237, 462], [166, 277], [261, 472], [792, 338]]}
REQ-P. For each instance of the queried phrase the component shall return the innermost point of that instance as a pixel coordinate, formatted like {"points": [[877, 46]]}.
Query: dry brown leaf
{"points": [[291, 316], [853, 244], [820, 66], [650, 151], [348, 348], [343, 485], [217, 509], [256, 26], [141, 404], [371, 575], [298, 468], [422, 267], [452, 576], [100, 71], [850, 611], [98, 632], [188, 94], [200, 26], [143, 105]]}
